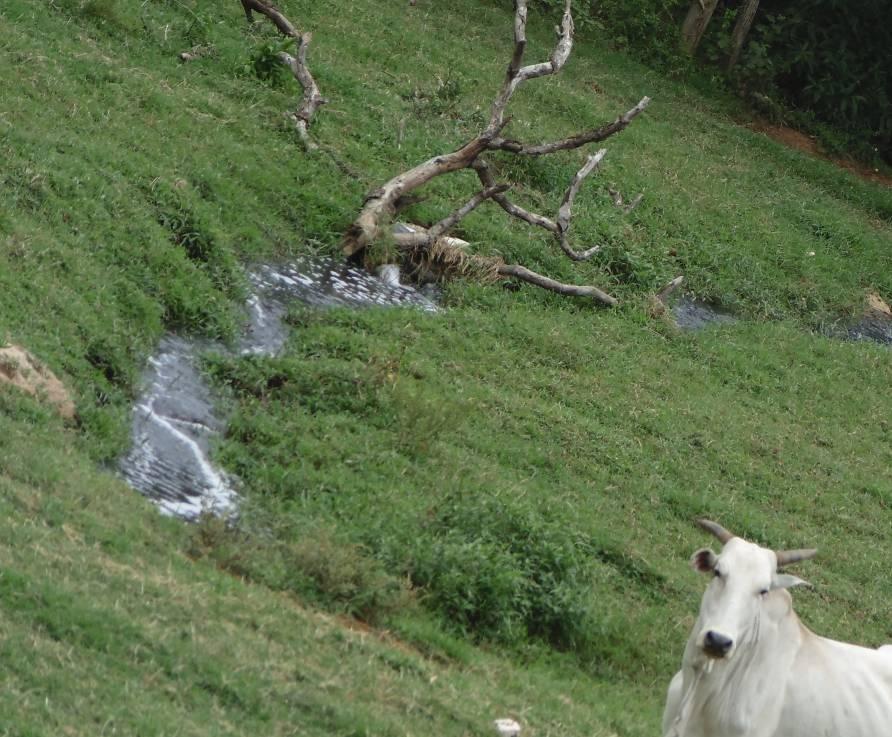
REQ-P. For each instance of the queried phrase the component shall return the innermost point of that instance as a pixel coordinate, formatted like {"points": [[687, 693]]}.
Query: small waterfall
{"points": [[174, 419]]}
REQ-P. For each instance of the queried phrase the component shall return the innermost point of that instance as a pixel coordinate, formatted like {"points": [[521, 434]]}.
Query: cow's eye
{"points": [[716, 572], [763, 593]]}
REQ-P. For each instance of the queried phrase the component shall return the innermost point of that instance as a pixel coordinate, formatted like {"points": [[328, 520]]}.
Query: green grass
{"points": [[503, 492]]}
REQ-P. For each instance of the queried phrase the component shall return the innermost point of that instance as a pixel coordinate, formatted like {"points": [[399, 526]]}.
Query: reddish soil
{"points": [[802, 142]]}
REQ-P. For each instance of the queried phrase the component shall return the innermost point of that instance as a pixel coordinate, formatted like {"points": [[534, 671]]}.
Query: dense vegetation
{"points": [[823, 66], [449, 517]]}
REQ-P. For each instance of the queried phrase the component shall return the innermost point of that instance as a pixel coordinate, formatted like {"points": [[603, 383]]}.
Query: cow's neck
{"points": [[727, 698]]}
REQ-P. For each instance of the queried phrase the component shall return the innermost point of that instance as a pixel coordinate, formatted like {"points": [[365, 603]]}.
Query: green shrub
{"points": [[831, 59], [316, 563], [504, 572]]}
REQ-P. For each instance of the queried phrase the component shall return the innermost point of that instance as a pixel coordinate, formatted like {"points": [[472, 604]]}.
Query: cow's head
{"points": [[739, 598]]}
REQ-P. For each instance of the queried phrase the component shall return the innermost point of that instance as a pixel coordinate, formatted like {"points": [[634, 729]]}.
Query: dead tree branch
{"points": [[664, 293], [659, 302], [271, 12], [593, 136], [312, 98], [438, 230], [560, 227], [568, 290], [382, 204]]}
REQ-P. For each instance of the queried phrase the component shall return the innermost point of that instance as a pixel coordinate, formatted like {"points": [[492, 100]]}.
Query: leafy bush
{"points": [[315, 563], [265, 64], [504, 572], [651, 27], [831, 58]]}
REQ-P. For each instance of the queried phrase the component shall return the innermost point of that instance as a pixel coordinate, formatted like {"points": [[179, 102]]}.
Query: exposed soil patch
{"points": [[802, 142], [22, 370]]}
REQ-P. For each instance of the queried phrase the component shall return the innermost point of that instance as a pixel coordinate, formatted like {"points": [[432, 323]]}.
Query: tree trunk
{"points": [[695, 24], [741, 29]]}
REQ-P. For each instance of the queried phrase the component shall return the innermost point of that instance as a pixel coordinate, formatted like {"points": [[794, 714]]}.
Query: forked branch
{"points": [[381, 205], [312, 98]]}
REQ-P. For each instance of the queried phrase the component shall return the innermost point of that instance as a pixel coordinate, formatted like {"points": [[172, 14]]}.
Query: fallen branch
{"points": [[563, 219], [568, 290], [381, 205], [659, 302], [664, 293], [271, 12], [560, 228], [312, 98], [427, 236], [196, 52]]}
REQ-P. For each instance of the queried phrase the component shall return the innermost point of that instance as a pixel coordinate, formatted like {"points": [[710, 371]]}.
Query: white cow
{"points": [[752, 669]]}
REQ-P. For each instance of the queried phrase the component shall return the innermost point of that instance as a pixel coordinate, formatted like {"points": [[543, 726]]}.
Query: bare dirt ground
{"points": [[803, 142]]}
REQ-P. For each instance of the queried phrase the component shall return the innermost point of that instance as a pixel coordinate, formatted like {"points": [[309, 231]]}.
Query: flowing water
{"points": [[873, 327], [175, 422], [694, 314]]}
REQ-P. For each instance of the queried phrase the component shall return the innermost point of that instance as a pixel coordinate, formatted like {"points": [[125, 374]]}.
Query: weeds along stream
{"points": [[175, 419], [175, 422]]}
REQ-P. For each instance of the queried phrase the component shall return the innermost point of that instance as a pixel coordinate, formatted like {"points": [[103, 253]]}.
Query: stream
{"points": [[175, 422]]}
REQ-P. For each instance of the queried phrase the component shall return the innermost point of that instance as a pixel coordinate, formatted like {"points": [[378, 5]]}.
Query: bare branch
{"points": [[407, 200], [271, 12], [664, 293], [415, 236], [312, 98], [571, 290], [430, 245], [593, 136], [381, 204], [517, 75], [540, 221], [564, 213], [558, 57], [407, 235], [560, 228], [448, 223]]}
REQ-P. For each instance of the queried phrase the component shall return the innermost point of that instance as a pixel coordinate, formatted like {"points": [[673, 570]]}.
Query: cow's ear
{"points": [[704, 560], [786, 581]]}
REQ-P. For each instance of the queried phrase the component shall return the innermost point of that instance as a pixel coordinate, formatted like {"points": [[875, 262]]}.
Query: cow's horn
{"points": [[788, 557], [716, 529]]}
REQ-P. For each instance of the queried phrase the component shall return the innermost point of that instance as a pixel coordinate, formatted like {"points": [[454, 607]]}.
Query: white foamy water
{"points": [[175, 423]]}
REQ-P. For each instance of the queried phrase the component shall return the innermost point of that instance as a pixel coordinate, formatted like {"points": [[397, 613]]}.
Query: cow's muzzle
{"points": [[717, 645]]}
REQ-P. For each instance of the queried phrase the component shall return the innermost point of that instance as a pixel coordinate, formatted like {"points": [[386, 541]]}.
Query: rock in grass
{"points": [[507, 727], [22, 370]]}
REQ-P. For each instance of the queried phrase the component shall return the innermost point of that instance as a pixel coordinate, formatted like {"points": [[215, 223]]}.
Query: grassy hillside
{"points": [[448, 517]]}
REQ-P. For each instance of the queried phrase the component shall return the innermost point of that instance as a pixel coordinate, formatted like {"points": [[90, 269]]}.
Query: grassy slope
{"points": [[132, 187]]}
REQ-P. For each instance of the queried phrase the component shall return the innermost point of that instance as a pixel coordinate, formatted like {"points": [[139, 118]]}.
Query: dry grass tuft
{"points": [[443, 260]]}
